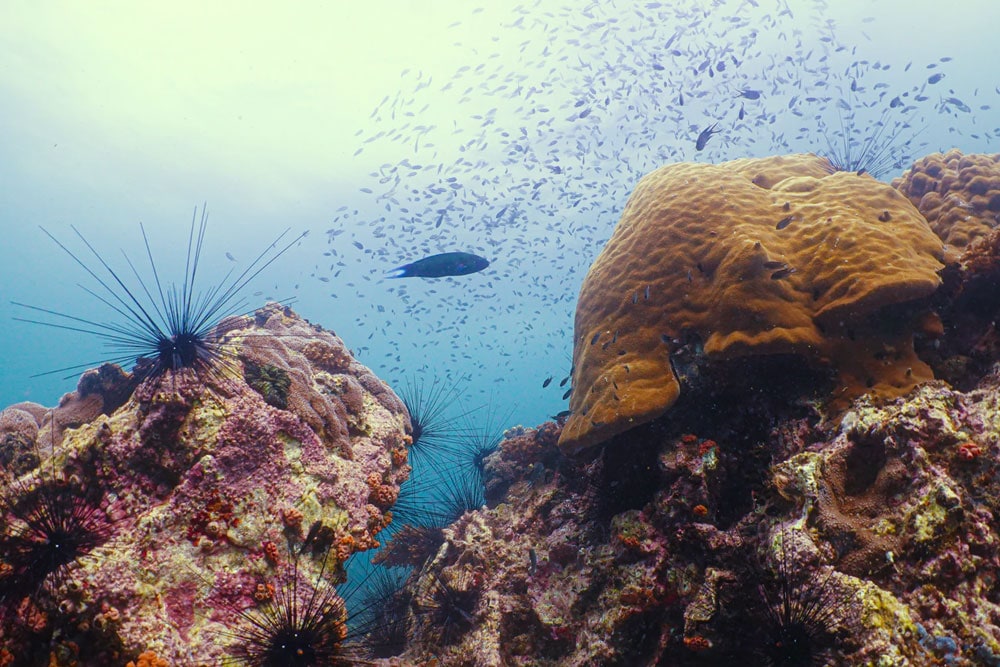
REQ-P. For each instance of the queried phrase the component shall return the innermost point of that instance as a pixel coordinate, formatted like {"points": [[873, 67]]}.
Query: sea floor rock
{"points": [[881, 526], [200, 483]]}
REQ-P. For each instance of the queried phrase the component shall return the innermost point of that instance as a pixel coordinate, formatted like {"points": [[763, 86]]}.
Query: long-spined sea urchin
{"points": [[165, 327]]}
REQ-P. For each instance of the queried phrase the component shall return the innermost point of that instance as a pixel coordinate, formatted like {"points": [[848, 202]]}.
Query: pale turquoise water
{"points": [[516, 134]]}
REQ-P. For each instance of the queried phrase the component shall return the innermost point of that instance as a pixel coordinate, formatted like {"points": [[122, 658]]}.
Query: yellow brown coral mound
{"points": [[753, 257], [958, 194]]}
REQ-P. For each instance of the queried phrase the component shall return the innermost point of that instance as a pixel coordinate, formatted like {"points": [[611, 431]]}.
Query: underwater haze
{"points": [[395, 130]]}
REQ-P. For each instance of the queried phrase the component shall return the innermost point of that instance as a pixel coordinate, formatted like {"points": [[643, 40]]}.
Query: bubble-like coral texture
{"points": [[958, 194], [748, 258], [206, 482]]}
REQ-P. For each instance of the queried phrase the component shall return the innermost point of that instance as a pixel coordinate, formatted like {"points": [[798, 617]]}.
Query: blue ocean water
{"points": [[395, 130]]}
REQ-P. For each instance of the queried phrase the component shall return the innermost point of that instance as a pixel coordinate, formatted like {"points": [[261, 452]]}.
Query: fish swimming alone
{"points": [[705, 135], [439, 266]]}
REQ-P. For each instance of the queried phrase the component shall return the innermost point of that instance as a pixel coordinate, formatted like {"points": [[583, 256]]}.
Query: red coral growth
{"points": [[148, 659], [263, 592], [365, 541], [697, 643], [969, 451], [271, 552], [31, 617], [345, 547], [381, 495], [399, 456], [377, 519], [291, 517], [213, 519]]}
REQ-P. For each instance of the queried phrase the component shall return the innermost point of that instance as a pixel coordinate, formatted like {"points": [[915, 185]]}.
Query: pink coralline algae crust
{"points": [[887, 517], [201, 475]]}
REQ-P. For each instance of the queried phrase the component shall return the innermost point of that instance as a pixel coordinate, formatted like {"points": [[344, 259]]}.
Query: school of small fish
{"points": [[550, 126]]}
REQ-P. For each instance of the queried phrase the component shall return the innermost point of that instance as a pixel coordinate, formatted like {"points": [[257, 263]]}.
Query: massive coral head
{"points": [[745, 259]]}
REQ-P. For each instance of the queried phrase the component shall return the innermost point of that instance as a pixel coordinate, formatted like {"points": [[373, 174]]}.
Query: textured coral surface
{"points": [[203, 481], [756, 524], [885, 522], [958, 194], [747, 258]]}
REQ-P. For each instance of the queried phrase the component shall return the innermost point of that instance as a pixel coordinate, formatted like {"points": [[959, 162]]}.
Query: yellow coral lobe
{"points": [[769, 256]]}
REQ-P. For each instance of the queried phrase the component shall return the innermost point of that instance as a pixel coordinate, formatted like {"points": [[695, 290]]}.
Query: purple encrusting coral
{"points": [[204, 483]]}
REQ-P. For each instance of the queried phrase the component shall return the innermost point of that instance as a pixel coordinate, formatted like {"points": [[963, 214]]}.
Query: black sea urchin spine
{"points": [[47, 522], [304, 624], [170, 327], [434, 433]]}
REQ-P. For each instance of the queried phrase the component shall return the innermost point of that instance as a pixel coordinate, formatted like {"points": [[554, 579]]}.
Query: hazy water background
{"points": [[115, 113]]}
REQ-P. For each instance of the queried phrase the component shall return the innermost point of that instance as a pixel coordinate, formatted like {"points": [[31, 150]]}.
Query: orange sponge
{"points": [[753, 257]]}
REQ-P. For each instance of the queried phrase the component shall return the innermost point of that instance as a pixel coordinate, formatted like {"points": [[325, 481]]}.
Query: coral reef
{"points": [[958, 194], [748, 259], [203, 482], [750, 524], [777, 514], [874, 541]]}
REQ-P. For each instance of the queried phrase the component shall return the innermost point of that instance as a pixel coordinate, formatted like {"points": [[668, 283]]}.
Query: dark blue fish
{"points": [[934, 78], [958, 104], [705, 135], [438, 266], [749, 94]]}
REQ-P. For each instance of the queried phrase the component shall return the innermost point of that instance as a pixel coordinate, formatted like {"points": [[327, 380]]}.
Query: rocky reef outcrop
{"points": [[880, 530], [186, 494], [757, 522]]}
